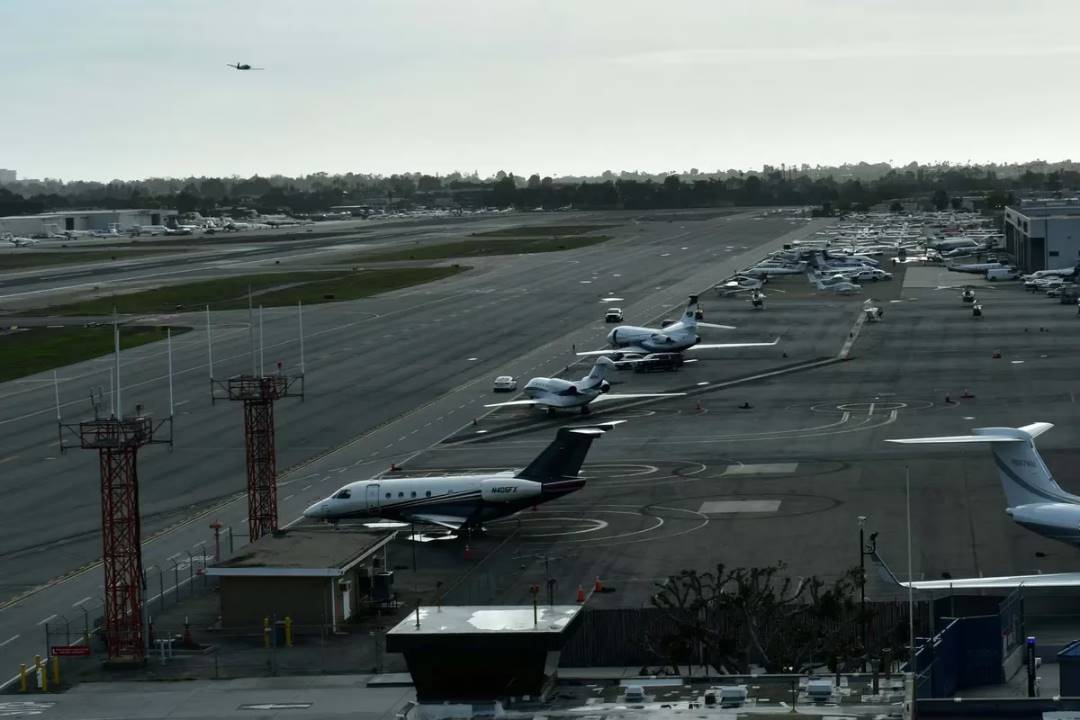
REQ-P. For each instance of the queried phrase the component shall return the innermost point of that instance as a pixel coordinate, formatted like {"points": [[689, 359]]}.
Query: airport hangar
{"points": [[83, 221], [1043, 236]]}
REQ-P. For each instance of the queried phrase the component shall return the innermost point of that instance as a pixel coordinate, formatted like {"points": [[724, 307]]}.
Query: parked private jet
{"points": [[467, 501], [1033, 500], [18, 241], [677, 337], [835, 283], [554, 393]]}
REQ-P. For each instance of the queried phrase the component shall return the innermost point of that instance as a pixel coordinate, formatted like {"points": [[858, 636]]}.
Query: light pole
{"points": [[910, 595], [862, 588]]}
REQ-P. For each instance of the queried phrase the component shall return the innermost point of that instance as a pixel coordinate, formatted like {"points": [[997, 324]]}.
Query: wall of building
{"points": [[1041, 242], [245, 601], [82, 221]]}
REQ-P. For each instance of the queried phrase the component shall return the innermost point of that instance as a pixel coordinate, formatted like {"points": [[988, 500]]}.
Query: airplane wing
{"points": [[723, 346], [629, 396], [1049, 580], [714, 325], [614, 351], [447, 521], [515, 402]]}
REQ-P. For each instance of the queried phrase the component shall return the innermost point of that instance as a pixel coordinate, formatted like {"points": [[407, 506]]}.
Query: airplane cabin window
{"points": [[389, 495], [428, 493], [401, 494], [414, 493]]}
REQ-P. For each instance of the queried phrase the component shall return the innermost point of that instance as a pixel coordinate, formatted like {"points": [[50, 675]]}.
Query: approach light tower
{"points": [[259, 391], [117, 438]]}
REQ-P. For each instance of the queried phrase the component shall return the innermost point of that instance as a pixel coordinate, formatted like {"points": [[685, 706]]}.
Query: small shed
{"points": [[316, 577]]}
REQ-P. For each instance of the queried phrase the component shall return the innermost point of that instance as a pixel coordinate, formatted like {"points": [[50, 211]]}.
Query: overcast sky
{"points": [[101, 89]]}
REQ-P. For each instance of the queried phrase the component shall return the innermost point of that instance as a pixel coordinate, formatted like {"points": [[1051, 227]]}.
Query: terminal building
{"points": [[57, 223], [1042, 237]]}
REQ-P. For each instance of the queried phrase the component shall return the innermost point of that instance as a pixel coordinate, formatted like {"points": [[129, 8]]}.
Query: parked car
{"points": [[505, 383], [659, 362], [626, 361], [872, 274], [613, 315]]}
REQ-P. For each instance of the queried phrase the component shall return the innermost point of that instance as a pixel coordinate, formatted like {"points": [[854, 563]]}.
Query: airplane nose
{"points": [[315, 511], [611, 336]]}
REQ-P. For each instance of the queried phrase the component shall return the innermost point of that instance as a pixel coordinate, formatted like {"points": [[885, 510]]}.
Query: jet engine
{"points": [[508, 489], [605, 386]]}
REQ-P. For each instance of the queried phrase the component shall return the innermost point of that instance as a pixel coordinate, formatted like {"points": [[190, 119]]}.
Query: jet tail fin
{"points": [[689, 316], [1024, 476], [565, 455]]}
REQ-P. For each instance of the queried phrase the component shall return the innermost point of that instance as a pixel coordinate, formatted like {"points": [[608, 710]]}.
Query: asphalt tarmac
{"points": [[386, 378], [695, 482]]}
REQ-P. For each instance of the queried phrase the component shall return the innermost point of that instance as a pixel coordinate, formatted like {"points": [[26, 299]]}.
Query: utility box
{"points": [[819, 690], [732, 696], [1069, 669]]}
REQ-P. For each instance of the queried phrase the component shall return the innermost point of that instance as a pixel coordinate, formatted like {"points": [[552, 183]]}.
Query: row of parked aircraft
{"points": [[466, 502]]}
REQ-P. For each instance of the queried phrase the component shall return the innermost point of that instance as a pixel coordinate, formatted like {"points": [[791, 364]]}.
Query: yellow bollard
{"points": [[56, 672], [22, 678], [266, 632], [288, 631]]}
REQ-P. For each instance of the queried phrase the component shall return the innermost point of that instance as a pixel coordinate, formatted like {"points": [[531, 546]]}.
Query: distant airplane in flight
{"points": [[243, 66]]}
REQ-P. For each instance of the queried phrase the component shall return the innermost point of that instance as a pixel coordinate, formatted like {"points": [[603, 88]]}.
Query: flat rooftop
{"points": [[487, 619], [303, 553]]}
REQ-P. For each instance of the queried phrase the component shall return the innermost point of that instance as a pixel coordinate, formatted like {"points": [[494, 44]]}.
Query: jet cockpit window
{"points": [[343, 494]]}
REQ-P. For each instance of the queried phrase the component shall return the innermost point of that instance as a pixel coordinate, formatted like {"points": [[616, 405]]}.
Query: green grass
{"points": [[525, 231], [21, 259], [268, 290], [480, 248], [29, 351]]}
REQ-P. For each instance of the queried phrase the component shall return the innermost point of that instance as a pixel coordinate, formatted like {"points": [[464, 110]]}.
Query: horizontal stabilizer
{"points": [[984, 435], [714, 325], [1004, 582]]}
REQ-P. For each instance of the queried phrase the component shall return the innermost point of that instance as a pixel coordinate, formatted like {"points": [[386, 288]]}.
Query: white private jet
{"points": [[18, 241], [555, 393], [835, 283], [1034, 500], [468, 501], [677, 337]]}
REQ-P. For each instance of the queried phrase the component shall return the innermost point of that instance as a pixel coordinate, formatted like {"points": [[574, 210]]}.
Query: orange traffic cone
{"points": [[580, 594], [597, 585]]}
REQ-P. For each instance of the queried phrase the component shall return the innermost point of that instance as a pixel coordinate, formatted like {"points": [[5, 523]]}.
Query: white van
{"points": [[1001, 274]]}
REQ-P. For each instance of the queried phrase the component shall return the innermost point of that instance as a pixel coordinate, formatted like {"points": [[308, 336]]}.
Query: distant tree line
{"points": [[842, 189]]}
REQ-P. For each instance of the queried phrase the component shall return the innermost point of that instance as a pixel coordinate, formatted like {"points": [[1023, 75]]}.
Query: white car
{"points": [[873, 274], [505, 383]]}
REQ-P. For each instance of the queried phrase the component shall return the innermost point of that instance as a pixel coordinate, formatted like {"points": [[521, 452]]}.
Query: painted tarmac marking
{"points": [[42, 622], [726, 507], [80, 602], [762, 469], [9, 640]]}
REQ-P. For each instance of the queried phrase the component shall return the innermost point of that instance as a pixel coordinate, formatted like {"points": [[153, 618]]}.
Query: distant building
{"points": [[8, 176], [1043, 236], [83, 221]]}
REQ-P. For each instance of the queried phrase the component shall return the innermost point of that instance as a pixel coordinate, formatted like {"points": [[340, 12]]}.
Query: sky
{"points": [[104, 89]]}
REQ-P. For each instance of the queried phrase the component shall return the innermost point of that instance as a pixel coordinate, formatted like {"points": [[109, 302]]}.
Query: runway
{"points": [[387, 378]]}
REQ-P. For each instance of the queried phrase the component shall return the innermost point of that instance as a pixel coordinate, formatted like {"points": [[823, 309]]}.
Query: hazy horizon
{"points": [[122, 89]]}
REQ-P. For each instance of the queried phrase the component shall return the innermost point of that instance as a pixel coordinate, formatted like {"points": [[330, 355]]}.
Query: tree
{"points": [[534, 182], [940, 199], [740, 616]]}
